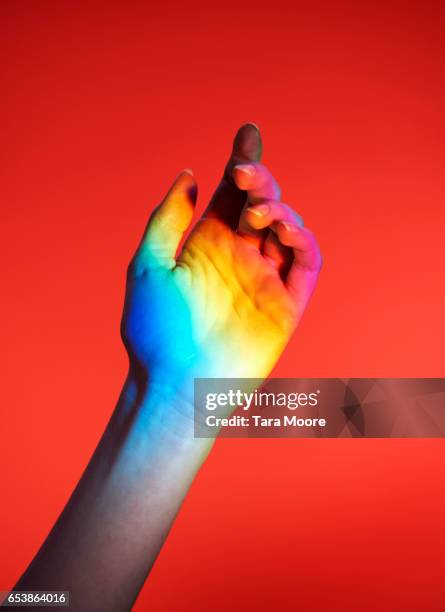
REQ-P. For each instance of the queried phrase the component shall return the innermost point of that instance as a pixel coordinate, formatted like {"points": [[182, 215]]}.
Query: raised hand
{"points": [[227, 304]]}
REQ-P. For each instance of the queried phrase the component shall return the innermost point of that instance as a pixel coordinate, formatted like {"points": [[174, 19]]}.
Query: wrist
{"points": [[161, 411]]}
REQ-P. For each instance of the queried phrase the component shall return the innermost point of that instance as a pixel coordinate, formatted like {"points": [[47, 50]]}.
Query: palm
{"points": [[240, 310], [223, 311]]}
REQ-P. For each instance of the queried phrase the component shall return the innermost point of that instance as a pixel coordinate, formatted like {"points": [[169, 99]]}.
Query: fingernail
{"points": [[190, 186], [260, 211], [246, 168], [290, 227]]}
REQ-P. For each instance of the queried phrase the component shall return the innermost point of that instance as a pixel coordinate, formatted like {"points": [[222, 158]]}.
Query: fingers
{"points": [[258, 181], [303, 274], [265, 216], [260, 185], [289, 247], [247, 146], [167, 224], [269, 212], [302, 241], [228, 200]]}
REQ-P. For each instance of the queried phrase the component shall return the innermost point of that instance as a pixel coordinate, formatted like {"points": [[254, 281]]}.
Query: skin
{"points": [[224, 306]]}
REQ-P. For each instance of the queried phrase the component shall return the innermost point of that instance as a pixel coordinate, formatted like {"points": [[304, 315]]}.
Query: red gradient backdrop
{"points": [[102, 104]]}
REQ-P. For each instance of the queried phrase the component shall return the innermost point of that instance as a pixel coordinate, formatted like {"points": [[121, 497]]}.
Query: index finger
{"points": [[228, 200]]}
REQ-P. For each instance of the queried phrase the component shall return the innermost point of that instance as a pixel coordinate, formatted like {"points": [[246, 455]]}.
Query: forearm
{"points": [[109, 534]]}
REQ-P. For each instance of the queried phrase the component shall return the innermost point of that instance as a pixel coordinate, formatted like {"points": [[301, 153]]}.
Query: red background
{"points": [[102, 104]]}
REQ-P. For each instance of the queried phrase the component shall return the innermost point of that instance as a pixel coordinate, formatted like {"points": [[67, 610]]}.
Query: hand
{"points": [[227, 305], [224, 307]]}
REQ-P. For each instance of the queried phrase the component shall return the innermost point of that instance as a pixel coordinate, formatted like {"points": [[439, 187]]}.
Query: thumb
{"points": [[168, 223]]}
